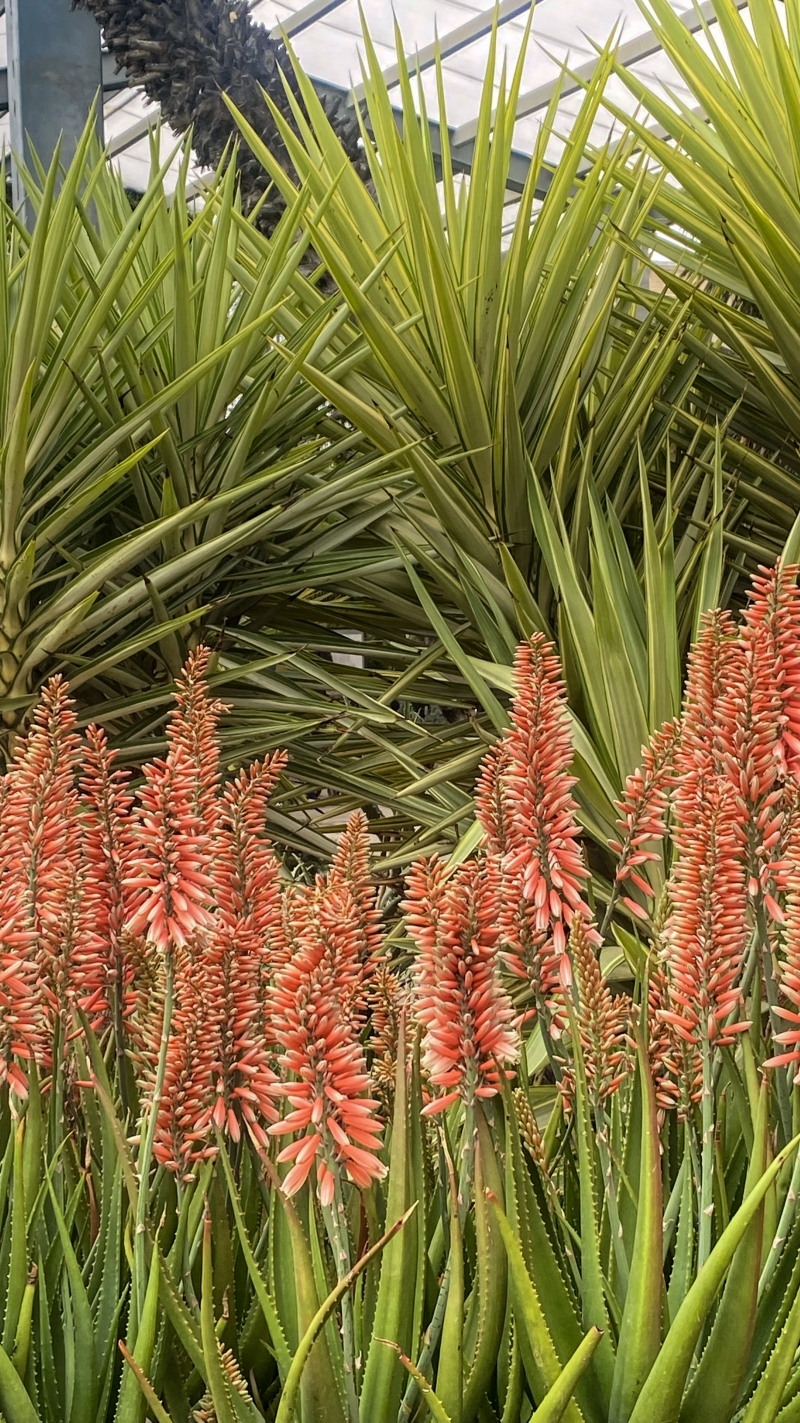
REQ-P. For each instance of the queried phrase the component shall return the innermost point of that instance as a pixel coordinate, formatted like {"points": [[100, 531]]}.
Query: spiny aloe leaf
{"points": [[715, 1386], [542, 1364], [395, 1304], [556, 1402], [15, 1402], [766, 1401], [640, 1334], [434, 1404], [449, 1377], [150, 1396], [660, 1399], [492, 1273], [132, 1403], [291, 1388]]}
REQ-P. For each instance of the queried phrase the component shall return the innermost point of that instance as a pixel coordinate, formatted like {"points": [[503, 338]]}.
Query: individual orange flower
{"points": [[467, 1015]]}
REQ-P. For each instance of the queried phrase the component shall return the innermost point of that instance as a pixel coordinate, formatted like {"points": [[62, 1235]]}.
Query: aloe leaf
{"points": [[682, 1272], [150, 1397], [277, 1336], [86, 1380], [132, 1403], [595, 1310], [18, 1262], [433, 1403], [715, 1386], [660, 1399], [394, 1308], [15, 1402], [450, 1374], [22, 1339], [640, 1332], [492, 1273], [768, 1397], [542, 1364], [228, 1403], [291, 1388], [556, 1402]]}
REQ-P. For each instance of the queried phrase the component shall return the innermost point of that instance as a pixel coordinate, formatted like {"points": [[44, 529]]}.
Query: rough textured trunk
{"points": [[186, 53]]}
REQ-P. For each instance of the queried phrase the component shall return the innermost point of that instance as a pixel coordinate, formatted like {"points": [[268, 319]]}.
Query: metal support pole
{"points": [[54, 73]]}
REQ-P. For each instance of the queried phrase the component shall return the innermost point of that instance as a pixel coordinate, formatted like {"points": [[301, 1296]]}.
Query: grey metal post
{"points": [[54, 73]]}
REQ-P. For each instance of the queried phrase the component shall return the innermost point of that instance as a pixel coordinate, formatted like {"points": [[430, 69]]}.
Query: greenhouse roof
{"points": [[327, 36]]}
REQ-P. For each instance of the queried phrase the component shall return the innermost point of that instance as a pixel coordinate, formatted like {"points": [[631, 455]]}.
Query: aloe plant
{"points": [[265, 1155]]}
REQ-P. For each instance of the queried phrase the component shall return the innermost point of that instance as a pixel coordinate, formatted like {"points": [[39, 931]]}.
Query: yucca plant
{"points": [[507, 358], [725, 236], [262, 1159], [167, 476]]}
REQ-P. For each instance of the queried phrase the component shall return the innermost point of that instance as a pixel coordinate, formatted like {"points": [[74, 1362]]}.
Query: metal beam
{"points": [[54, 74], [112, 81], [627, 54], [305, 16], [138, 129], [459, 38]]}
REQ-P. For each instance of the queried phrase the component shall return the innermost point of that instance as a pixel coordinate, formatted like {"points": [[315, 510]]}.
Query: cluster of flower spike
{"points": [[111, 902], [723, 782], [284, 1013]]}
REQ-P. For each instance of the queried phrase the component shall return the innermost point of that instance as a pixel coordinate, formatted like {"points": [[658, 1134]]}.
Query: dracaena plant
{"points": [[267, 1155]]}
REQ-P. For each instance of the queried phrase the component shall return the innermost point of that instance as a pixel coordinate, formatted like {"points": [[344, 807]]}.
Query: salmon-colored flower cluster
{"points": [[467, 1014], [526, 807], [117, 904], [644, 812], [602, 1020], [320, 1002]]}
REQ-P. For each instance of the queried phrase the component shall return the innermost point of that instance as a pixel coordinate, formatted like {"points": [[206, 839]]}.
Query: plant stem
{"points": [[148, 1140], [119, 1039], [707, 1164], [336, 1224], [429, 1344], [601, 1137], [784, 1105]]}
